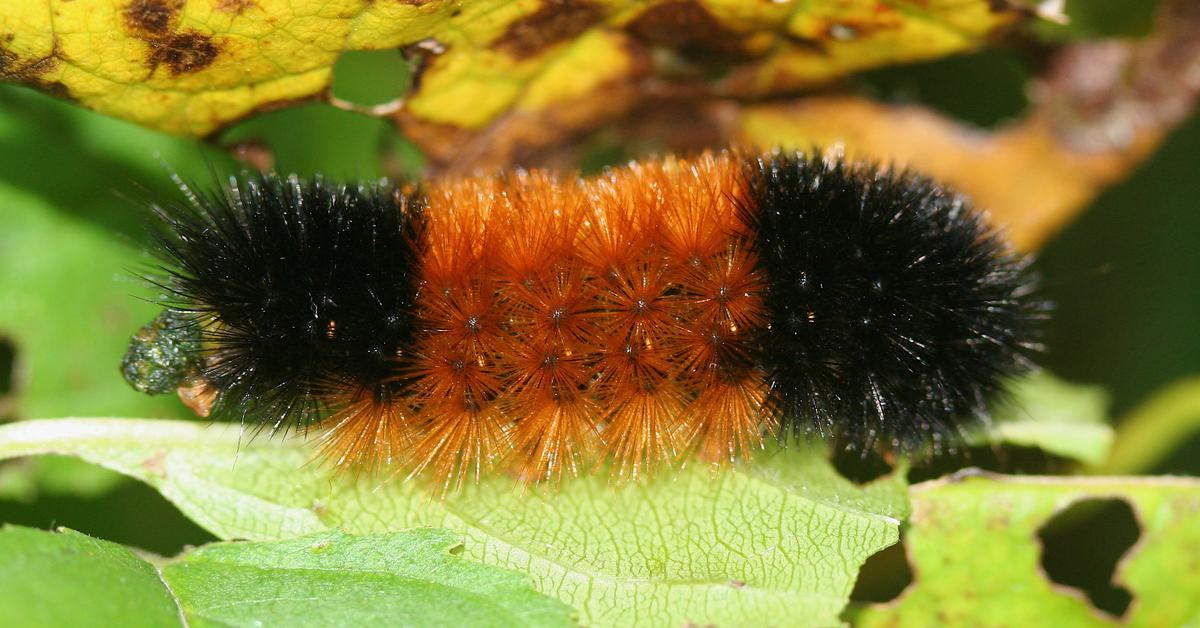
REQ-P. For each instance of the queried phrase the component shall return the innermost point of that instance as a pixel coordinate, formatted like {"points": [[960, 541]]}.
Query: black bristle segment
{"points": [[895, 312], [299, 286]]}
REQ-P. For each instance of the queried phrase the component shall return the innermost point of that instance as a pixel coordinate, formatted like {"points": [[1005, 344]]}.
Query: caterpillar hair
{"points": [[666, 309]]}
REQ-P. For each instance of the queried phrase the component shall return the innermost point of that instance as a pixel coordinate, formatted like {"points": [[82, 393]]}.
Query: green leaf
{"points": [[1153, 430], [975, 552], [69, 579], [64, 360], [781, 538], [409, 578], [1070, 420], [68, 299]]}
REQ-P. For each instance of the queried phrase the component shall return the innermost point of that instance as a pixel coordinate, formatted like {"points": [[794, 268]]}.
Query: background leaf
{"points": [[69, 335], [975, 553], [408, 578], [782, 538], [1153, 430], [1069, 420], [69, 579]]}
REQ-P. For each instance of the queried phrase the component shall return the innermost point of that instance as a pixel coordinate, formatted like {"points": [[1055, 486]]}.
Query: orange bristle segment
{"points": [[462, 430], [683, 302], [619, 223], [639, 330], [460, 441], [539, 225], [369, 432], [725, 421], [468, 316], [551, 323], [560, 307], [698, 210], [727, 289], [456, 382], [644, 402], [638, 302], [550, 366], [558, 422], [644, 430], [459, 233], [564, 323]]}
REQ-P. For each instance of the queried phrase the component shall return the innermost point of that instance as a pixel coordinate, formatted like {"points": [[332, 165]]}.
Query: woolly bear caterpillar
{"points": [[663, 309]]}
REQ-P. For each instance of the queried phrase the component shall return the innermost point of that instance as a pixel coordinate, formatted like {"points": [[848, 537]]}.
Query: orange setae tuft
{"points": [[565, 323], [557, 421], [460, 441], [539, 225], [726, 420], [369, 432]]}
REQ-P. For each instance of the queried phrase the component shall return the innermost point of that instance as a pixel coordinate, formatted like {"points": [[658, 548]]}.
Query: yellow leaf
{"points": [[192, 67]]}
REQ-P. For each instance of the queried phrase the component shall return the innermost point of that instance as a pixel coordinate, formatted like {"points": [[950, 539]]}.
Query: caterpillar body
{"points": [[666, 309]]}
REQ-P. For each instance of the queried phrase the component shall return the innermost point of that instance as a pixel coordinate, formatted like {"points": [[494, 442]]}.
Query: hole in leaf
{"points": [[860, 467], [8, 364], [371, 77], [8, 375], [884, 576], [1082, 545]]}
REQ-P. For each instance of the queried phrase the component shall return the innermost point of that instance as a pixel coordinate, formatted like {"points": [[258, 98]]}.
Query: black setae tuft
{"points": [[895, 312], [298, 287]]}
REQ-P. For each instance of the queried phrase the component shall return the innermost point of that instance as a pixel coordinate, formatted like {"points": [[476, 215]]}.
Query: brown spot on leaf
{"points": [[7, 60], [236, 7], [57, 89], [183, 53], [14, 68], [1008, 6], [31, 71], [156, 22], [152, 17], [156, 464], [685, 24], [554, 22]]}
